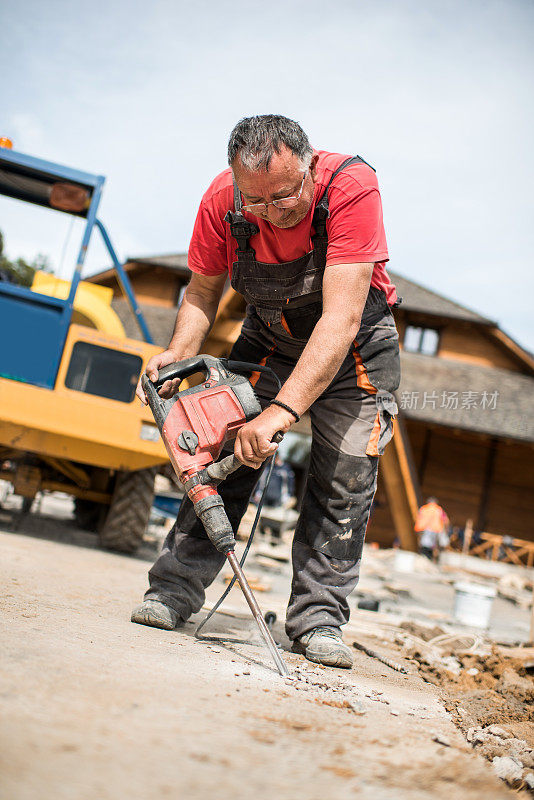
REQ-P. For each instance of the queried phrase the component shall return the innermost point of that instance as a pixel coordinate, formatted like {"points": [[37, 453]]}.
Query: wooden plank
{"points": [[510, 557], [478, 549], [515, 550], [401, 487], [525, 359]]}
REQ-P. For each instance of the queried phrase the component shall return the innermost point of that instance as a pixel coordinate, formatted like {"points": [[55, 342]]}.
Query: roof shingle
{"points": [[429, 383], [160, 321]]}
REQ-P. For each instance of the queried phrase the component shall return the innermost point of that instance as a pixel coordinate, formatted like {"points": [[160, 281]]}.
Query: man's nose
{"points": [[275, 214]]}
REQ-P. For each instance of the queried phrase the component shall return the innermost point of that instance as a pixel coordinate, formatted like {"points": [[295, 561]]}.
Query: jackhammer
{"points": [[194, 425]]}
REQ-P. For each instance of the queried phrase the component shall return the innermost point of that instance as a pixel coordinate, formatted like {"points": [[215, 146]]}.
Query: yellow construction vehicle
{"points": [[69, 418]]}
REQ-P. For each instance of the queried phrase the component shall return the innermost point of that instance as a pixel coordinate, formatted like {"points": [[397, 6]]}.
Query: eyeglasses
{"points": [[282, 202]]}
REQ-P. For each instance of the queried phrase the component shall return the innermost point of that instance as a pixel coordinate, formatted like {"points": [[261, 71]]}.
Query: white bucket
{"points": [[404, 561], [472, 604]]}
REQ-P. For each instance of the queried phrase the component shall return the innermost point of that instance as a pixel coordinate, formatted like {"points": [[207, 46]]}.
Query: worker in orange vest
{"points": [[431, 524]]}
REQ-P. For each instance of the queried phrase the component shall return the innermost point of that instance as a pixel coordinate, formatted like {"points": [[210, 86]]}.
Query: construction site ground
{"points": [[95, 707]]}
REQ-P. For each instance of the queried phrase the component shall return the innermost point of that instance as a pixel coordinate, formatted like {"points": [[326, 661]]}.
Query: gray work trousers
{"points": [[351, 424]]}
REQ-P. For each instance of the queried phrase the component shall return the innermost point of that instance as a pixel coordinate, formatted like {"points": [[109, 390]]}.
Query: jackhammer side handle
{"points": [[219, 470]]}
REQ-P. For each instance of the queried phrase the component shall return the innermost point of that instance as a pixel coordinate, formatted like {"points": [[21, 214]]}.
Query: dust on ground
{"points": [[95, 707]]}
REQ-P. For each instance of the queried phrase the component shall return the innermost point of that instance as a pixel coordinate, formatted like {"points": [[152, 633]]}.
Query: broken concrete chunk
{"points": [[496, 730], [508, 769], [470, 736], [452, 664], [520, 751]]}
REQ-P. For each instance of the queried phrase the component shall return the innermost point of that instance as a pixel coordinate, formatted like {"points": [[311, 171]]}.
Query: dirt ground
{"points": [[491, 699], [95, 707]]}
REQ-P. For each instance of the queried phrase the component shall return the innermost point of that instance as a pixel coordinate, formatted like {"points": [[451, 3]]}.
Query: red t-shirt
{"points": [[355, 228]]}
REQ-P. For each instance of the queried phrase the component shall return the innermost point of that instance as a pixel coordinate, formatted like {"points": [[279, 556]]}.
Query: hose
{"points": [[239, 365]]}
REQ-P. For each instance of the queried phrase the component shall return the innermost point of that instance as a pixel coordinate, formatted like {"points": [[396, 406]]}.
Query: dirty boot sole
{"points": [[157, 615], [336, 657]]}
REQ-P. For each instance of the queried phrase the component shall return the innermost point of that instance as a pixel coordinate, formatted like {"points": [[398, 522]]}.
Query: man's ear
{"points": [[313, 166]]}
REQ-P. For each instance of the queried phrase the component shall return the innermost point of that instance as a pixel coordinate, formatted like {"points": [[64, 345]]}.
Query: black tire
{"points": [[89, 515], [129, 511]]}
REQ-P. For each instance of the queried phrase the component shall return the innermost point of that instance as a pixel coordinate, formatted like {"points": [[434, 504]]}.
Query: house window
{"points": [[421, 340]]}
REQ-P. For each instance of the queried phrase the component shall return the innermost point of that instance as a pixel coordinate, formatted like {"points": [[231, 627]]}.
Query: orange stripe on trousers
{"points": [[362, 378], [372, 444], [256, 375], [285, 326]]}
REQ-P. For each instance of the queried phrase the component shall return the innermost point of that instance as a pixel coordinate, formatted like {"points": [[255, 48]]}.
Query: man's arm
{"points": [[345, 289], [193, 323]]}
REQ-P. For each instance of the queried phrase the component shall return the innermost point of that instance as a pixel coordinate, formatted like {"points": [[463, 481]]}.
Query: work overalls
{"points": [[351, 424]]}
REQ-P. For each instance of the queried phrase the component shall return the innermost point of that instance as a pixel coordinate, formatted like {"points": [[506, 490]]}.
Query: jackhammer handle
{"points": [[157, 404], [219, 470], [186, 367]]}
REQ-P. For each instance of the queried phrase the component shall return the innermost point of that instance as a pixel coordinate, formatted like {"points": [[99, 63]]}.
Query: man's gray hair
{"points": [[256, 139]]}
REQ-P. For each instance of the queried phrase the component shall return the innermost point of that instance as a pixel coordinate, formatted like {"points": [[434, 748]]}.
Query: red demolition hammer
{"points": [[194, 425]]}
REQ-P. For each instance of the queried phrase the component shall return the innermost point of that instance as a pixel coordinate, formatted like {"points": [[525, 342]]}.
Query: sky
{"points": [[436, 95]]}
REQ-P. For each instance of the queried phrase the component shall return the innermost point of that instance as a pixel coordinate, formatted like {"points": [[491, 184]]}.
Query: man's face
{"points": [[282, 179]]}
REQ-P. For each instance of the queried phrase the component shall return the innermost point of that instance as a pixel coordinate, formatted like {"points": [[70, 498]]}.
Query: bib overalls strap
{"points": [[281, 294]]}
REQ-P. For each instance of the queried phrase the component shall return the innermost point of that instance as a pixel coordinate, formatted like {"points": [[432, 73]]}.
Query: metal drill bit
{"points": [[254, 607]]}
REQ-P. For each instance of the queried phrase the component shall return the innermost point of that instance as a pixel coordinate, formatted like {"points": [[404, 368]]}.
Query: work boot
{"points": [[156, 614], [324, 646]]}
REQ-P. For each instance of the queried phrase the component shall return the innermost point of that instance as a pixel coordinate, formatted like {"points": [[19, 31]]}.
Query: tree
{"points": [[20, 271]]}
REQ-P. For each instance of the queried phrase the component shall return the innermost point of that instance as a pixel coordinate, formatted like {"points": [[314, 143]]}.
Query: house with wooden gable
{"points": [[465, 431], [466, 404]]}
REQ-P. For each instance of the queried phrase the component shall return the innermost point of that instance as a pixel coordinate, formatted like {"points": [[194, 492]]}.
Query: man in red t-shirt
{"points": [[300, 234]]}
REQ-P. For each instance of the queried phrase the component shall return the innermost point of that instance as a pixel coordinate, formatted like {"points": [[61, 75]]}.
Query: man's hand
{"points": [[254, 443], [195, 318], [153, 366]]}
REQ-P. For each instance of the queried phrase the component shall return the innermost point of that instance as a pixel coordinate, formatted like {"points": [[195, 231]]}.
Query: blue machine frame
{"points": [[34, 327]]}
